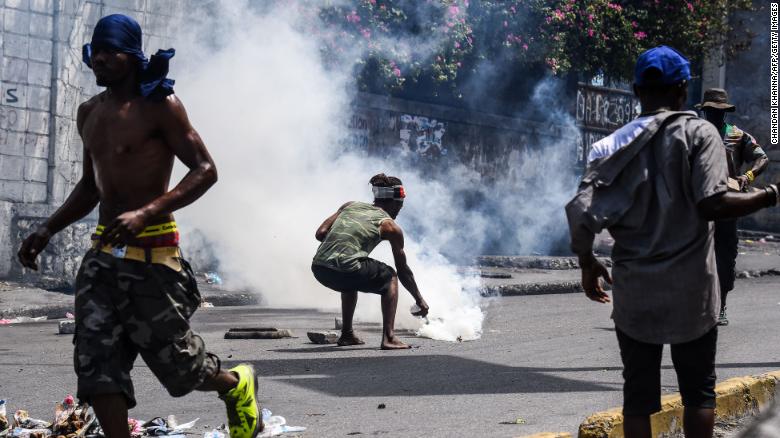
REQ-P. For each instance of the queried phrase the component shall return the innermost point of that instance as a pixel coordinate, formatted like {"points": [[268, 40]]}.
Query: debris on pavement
{"points": [[257, 333], [3, 418], [77, 421], [167, 427], [323, 337], [67, 327], [212, 278], [206, 305], [519, 420], [21, 319], [275, 425], [381, 406]]}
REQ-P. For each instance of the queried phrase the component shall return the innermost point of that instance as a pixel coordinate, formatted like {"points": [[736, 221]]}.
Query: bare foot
{"points": [[349, 339], [393, 344]]}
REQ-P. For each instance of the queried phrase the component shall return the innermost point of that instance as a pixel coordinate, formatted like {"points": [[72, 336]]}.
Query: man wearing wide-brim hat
{"points": [[741, 148]]}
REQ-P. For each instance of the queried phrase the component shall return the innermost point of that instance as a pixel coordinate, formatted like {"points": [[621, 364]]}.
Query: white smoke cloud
{"points": [[273, 115]]}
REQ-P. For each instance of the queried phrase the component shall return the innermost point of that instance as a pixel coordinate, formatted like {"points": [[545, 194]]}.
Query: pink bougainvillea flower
{"points": [[690, 6], [525, 46], [397, 72], [454, 10], [640, 35], [591, 32], [457, 45], [353, 17]]}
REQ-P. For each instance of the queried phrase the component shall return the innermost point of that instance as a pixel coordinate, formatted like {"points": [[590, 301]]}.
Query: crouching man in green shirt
{"points": [[342, 263]]}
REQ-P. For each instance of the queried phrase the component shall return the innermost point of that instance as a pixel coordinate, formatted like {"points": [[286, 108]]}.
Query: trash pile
{"points": [[79, 421], [70, 421]]}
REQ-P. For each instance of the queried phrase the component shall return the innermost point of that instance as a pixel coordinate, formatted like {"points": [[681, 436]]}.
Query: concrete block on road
{"points": [[323, 337], [258, 333], [67, 327]]}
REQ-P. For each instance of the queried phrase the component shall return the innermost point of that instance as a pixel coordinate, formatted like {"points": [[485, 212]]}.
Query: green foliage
{"points": [[395, 41]]}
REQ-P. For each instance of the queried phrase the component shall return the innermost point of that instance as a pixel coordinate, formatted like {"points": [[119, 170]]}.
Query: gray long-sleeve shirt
{"points": [[665, 287]]}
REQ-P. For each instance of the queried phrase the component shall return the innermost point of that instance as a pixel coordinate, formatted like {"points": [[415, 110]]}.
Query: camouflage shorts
{"points": [[124, 308]]}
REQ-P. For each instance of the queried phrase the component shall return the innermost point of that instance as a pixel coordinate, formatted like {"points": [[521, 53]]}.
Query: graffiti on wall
{"points": [[600, 111], [358, 132], [605, 108], [422, 136]]}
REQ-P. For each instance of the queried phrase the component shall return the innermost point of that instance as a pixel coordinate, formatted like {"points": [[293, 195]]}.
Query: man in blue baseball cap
{"points": [[656, 184]]}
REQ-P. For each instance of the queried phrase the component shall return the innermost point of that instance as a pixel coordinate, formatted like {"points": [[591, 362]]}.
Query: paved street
{"points": [[549, 360]]}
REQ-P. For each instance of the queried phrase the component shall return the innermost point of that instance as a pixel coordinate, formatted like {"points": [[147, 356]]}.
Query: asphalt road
{"points": [[550, 360]]}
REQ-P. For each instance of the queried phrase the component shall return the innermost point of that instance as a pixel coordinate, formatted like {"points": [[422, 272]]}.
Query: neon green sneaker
{"points": [[245, 418]]}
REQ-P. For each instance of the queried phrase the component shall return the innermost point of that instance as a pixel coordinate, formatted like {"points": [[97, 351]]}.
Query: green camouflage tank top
{"points": [[353, 236]]}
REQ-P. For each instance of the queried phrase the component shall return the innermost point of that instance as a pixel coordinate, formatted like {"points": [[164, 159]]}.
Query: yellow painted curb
{"points": [[736, 398]]}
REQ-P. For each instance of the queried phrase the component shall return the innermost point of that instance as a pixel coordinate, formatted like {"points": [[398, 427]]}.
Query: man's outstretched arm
{"points": [[79, 203], [391, 232], [188, 147], [733, 205]]}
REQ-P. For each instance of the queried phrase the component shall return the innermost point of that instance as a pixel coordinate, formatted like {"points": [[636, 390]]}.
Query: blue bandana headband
{"points": [[122, 33]]}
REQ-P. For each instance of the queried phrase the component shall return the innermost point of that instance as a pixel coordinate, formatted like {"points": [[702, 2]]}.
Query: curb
{"points": [[552, 263], [513, 290], [736, 398], [57, 311]]}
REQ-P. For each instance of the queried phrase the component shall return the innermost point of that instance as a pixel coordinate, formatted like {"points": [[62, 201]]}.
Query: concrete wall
{"points": [[42, 82], [433, 136]]}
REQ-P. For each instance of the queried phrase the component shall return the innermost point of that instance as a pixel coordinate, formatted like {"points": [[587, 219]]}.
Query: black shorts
{"points": [[373, 276], [694, 363]]}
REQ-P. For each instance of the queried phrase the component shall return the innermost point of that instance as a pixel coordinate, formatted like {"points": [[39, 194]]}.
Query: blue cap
{"points": [[674, 67]]}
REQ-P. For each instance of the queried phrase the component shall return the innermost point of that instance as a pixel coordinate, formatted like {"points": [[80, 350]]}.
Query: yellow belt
{"points": [[165, 255], [150, 231]]}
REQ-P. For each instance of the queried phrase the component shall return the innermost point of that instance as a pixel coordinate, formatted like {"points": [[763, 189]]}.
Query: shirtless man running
{"points": [[134, 292], [342, 263]]}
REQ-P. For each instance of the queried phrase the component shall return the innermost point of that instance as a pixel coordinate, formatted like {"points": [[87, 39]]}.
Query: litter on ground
{"points": [[79, 421]]}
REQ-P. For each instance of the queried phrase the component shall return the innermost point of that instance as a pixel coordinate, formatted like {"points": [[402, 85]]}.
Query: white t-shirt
{"points": [[622, 137]]}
